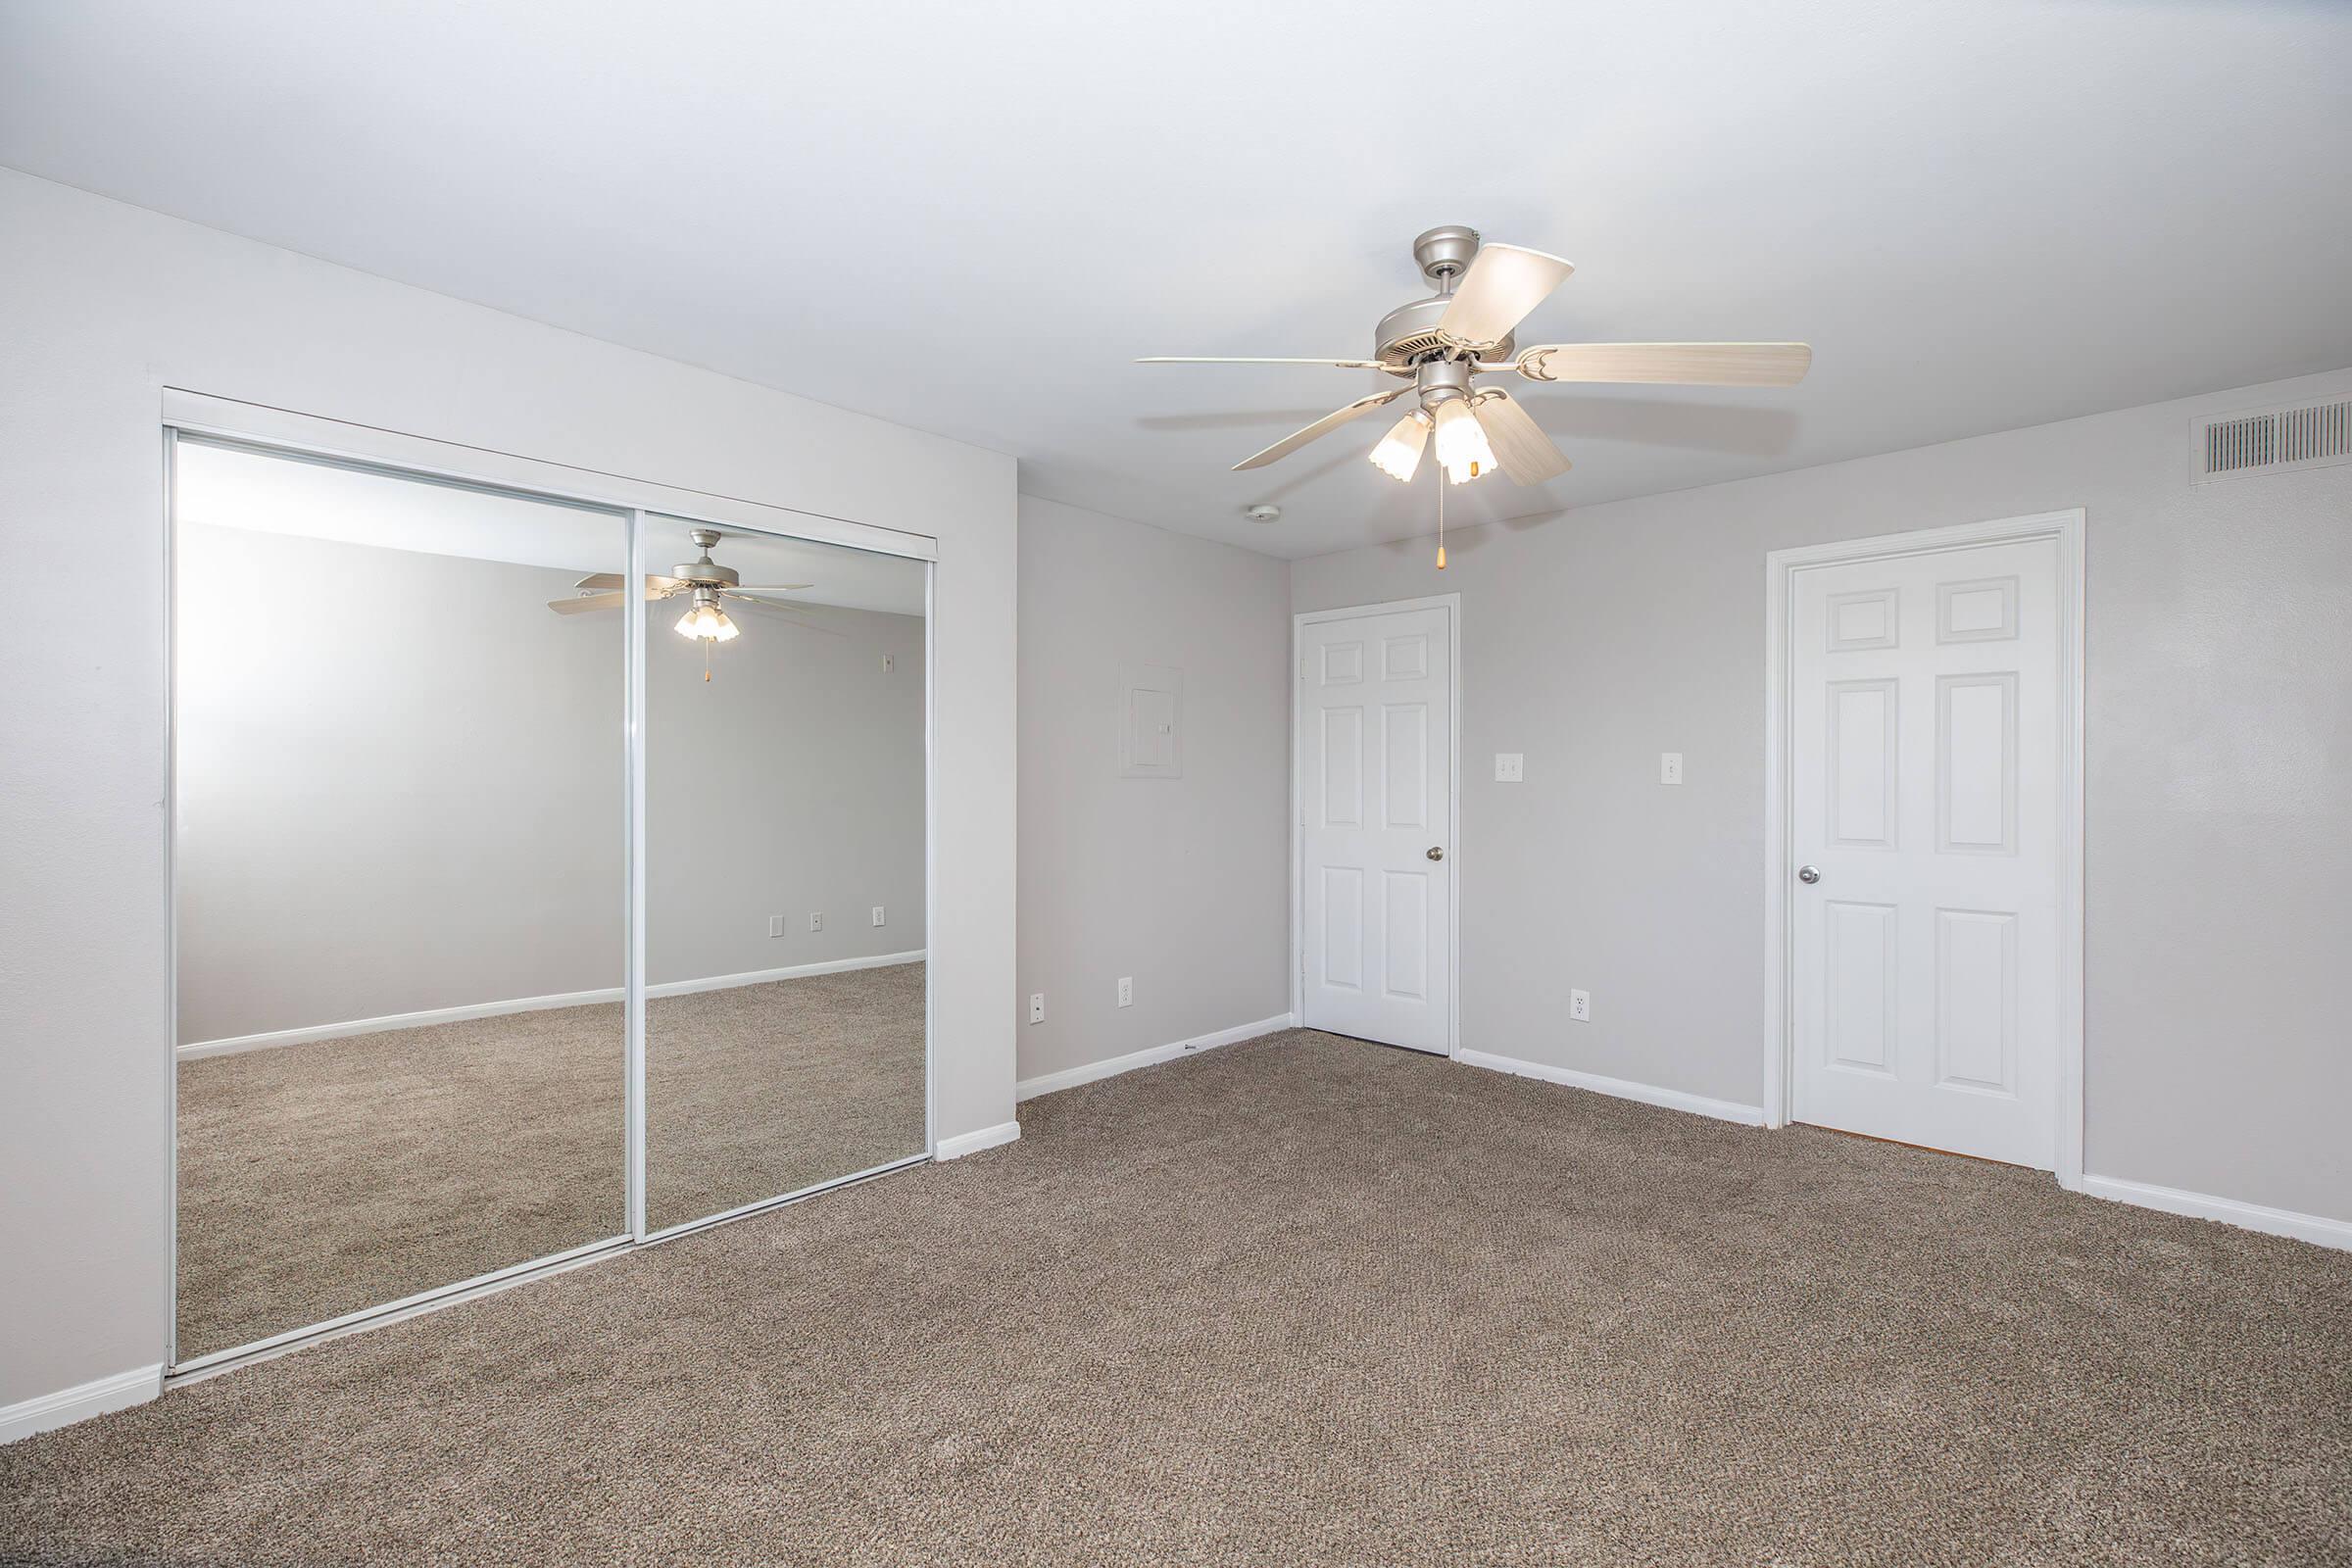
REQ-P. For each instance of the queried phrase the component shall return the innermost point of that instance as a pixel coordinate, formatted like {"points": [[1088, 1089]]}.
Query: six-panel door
{"points": [[1924, 758], [1375, 798]]}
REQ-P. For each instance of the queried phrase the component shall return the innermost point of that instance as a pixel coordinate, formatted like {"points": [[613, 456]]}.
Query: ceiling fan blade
{"points": [[1218, 359], [1504, 282], [788, 616], [586, 602], [1680, 364], [762, 599], [1321, 427], [1526, 453], [773, 587], [611, 580]]}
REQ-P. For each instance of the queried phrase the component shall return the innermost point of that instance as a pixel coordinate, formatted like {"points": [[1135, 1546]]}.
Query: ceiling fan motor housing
{"points": [[706, 572], [1444, 252], [1408, 333], [1440, 379]]}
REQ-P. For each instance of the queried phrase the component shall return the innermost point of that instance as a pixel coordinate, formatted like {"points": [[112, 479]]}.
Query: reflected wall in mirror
{"points": [[399, 838], [785, 733]]}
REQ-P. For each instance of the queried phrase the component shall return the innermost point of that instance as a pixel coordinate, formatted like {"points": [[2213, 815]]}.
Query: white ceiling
{"points": [[1982, 214], [232, 487]]}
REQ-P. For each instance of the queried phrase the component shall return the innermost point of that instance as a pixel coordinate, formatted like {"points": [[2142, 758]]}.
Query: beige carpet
{"points": [[320, 1179], [1305, 1301]]}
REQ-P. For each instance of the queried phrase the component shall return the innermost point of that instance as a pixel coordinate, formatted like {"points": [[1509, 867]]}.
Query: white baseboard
{"points": [[69, 1405], [2313, 1228], [498, 1009], [962, 1144], [761, 977], [1111, 1067], [1619, 1088]]}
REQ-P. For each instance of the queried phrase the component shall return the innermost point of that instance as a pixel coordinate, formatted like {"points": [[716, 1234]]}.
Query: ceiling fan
{"points": [[1440, 344], [705, 580]]}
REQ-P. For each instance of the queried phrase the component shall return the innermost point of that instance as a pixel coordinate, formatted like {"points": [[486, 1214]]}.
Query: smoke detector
{"points": [[1262, 513]]}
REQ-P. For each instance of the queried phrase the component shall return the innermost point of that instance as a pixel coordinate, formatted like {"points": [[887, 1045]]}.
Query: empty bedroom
{"points": [[1061, 784]]}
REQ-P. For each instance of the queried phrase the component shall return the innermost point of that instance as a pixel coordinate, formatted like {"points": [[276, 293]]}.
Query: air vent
{"points": [[2312, 435]]}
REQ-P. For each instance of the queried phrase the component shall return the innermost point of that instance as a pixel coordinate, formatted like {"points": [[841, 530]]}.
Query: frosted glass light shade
{"points": [[707, 624], [1399, 451], [1462, 450]]}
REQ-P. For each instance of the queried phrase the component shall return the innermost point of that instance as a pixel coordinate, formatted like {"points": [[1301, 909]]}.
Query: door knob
{"points": [[1436, 854], [1808, 873]]}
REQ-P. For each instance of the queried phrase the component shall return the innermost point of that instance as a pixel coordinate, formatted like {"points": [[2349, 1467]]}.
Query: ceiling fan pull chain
{"points": [[1440, 480]]}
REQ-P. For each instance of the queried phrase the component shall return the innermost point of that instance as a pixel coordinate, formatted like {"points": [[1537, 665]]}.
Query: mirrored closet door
{"points": [[401, 917], [459, 770], [785, 742]]}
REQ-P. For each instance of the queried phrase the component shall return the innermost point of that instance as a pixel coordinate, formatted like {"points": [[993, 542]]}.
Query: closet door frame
{"points": [[312, 438]]}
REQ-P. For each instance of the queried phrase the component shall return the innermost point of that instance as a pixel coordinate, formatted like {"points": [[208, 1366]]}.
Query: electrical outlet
{"points": [[1670, 767], [1510, 767], [1126, 991], [877, 915], [816, 923], [1580, 1005], [1037, 1006], [775, 925]]}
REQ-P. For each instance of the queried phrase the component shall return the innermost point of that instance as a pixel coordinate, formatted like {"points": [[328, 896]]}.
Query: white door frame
{"points": [[1781, 566], [1452, 604], [632, 501]]}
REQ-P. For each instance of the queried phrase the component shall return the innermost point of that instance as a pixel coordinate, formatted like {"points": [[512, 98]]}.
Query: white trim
{"points": [[256, 424], [1616, 1088], [212, 1362], [1452, 604], [930, 854], [233, 1045], [2312, 1228], [166, 1060], [47, 1411], [761, 1206], [962, 1144], [2067, 529], [634, 632], [1153, 1055], [371, 1317], [569, 998], [756, 977]]}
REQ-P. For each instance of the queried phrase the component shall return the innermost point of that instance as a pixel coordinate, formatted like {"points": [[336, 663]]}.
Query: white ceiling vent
{"points": [[2309, 435]]}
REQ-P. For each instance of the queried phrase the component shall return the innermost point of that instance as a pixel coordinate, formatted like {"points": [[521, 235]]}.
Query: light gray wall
{"points": [[416, 802], [102, 306], [791, 782], [1181, 883], [2217, 775]]}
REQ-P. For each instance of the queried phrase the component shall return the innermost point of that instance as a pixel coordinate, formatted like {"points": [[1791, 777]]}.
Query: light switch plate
{"points": [[1580, 1005], [1670, 767], [1510, 767]]}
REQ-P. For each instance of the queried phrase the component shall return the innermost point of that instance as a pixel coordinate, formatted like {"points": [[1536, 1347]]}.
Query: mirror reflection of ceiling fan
{"points": [[705, 582], [1440, 344]]}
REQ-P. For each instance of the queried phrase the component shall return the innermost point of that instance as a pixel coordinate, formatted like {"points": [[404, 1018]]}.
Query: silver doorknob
{"points": [[1436, 854], [1808, 873]]}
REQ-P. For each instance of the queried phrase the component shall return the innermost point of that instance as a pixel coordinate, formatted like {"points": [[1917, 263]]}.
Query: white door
{"points": [[1375, 748], [1925, 814]]}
